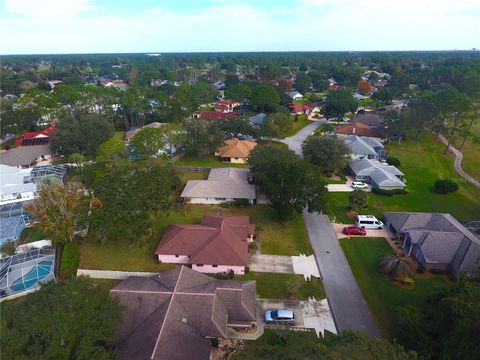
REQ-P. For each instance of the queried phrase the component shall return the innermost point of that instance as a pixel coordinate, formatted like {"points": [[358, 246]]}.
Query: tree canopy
{"points": [[202, 137], [265, 98], [339, 103], [81, 133], [290, 183], [73, 320], [328, 153]]}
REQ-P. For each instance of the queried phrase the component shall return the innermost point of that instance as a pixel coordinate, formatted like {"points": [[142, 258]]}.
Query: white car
{"points": [[359, 185]]}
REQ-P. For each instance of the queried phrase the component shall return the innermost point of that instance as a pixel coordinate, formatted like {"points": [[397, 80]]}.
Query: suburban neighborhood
{"points": [[240, 205]]}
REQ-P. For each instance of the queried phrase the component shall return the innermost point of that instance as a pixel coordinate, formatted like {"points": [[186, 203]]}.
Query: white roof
{"points": [[12, 180], [228, 183]]}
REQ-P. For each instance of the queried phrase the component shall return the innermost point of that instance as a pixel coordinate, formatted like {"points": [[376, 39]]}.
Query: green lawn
{"points": [[285, 286], [383, 295], [288, 238], [206, 161], [299, 124], [471, 152], [422, 162]]}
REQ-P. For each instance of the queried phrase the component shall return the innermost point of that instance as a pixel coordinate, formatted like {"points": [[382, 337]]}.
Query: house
{"points": [[117, 84], [368, 118], [180, 314], [214, 115], [226, 105], [295, 95], [380, 175], [235, 150], [218, 245], [36, 138], [365, 147], [27, 156], [222, 184], [307, 109], [358, 129], [15, 185], [436, 241], [258, 120]]}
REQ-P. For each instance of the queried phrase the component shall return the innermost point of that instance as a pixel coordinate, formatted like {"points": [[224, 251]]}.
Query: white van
{"points": [[368, 222]]}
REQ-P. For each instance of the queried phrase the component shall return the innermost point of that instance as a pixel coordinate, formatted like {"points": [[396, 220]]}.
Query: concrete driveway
{"points": [[370, 232], [347, 187], [311, 314], [295, 142], [271, 263]]}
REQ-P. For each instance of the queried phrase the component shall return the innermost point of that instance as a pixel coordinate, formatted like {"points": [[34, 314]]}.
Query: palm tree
{"points": [[397, 266]]}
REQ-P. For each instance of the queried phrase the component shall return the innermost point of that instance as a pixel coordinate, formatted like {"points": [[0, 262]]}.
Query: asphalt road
{"points": [[295, 142], [350, 311]]}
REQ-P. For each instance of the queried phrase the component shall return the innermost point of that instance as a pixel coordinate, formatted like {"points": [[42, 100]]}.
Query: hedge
{"points": [[70, 259], [393, 161], [389, 192], [445, 186]]}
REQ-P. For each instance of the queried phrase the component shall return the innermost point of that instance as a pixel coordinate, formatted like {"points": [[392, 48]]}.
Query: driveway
{"points": [[347, 187], [350, 311], [271, 263], [337, 228], [310, 314], [295, 142]]}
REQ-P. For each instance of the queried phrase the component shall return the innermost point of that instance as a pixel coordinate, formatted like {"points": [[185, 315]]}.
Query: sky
{"points": [[123, 26]]}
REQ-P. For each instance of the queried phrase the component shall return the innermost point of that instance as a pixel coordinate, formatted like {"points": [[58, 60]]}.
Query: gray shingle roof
{"points": [[24, 155], [358, 146], [170, 316], [441, 237], [229, 183]]}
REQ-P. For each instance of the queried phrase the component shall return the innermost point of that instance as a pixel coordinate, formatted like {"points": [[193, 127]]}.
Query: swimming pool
{"points": [[39, 272]]}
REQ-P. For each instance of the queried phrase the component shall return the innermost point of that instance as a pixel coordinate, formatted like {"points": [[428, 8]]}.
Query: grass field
{"points": [[471, 152], [299, 124], [383, 295], [285, 286], [288, 238], [422, 162]]}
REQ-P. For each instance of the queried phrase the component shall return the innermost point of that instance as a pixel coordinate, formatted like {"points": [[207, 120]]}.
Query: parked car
{"points": [[354, 230], [359, 185], [280, 317], [368, 222]]}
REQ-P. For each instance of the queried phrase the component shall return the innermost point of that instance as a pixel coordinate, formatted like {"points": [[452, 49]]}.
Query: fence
{"points": [[192, 168], [113, 274]]}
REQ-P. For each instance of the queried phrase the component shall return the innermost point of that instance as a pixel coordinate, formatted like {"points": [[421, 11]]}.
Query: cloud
{"points": [[66, 26], [48, 9]]}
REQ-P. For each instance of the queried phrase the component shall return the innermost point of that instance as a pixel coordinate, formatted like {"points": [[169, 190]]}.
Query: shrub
{"points": [[8, 247], [393, 161], [70, 259], [389, 192], [421, 269], [445, 186], [241, 202], [438, 271]]}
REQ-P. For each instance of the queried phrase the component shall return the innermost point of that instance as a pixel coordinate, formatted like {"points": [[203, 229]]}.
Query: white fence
{"points": [[112, 274]]}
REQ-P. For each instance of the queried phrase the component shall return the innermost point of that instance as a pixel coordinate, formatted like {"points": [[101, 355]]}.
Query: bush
{"points": [[8, 247], [421, 269], [70, 259], [445, 186], [393, 161], [241, 202], [389, 192], [438, 271]]}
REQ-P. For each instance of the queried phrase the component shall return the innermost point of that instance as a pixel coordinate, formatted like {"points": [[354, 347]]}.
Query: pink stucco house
{"points": [[218, 244]]}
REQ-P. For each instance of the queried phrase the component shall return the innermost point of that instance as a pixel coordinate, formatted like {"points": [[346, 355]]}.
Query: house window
{"points": [[220, 199], [215, 265], [176, 255], [199, 265]]}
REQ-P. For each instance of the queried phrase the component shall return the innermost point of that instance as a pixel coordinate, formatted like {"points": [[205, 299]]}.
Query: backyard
{"points": [[285, 286], [422, 162], [383, 295], [287, 238]]}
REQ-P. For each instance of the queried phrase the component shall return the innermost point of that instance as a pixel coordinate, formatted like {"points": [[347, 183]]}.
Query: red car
{"points": [[354, 230]]}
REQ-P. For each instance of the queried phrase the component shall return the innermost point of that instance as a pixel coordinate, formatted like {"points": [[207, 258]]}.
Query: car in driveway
{"points": [[354, 230], [359, 185], [280, 317]]}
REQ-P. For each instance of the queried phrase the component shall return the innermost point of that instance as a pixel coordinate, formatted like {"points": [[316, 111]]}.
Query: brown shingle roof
{"points": [[358, 129], [235, 148], [161, 322], [218, 240]]}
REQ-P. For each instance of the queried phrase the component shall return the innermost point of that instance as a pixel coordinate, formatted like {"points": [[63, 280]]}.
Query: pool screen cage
{"points": [[23, 272]]}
